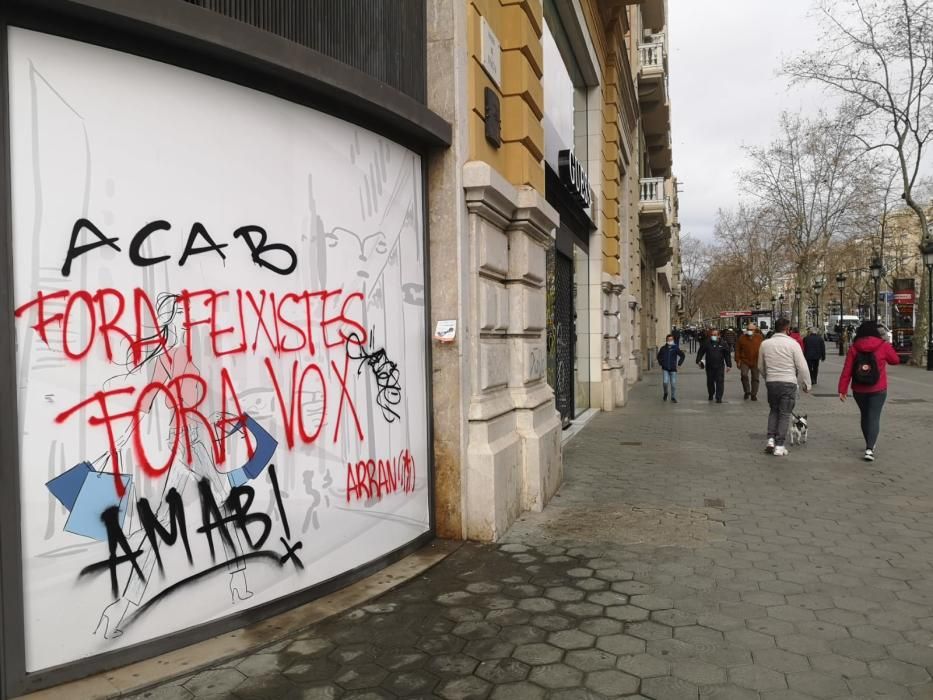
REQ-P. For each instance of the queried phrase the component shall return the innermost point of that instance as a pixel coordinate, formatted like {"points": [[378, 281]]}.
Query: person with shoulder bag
{"points": [[670, 357], [716, 359], [866, 369]]}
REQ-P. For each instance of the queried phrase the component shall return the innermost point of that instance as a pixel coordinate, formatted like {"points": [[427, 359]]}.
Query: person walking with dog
{"points": [[746, 357], [814, 349], [783, 367], [716, 359], [670, 357], [866, 368]]}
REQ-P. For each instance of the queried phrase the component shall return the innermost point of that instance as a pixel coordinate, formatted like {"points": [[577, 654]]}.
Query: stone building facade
{"points": [[565, 285], [498, 169]]}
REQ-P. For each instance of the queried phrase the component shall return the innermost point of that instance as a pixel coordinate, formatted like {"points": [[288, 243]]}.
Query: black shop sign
{"points": [[574, 178]]}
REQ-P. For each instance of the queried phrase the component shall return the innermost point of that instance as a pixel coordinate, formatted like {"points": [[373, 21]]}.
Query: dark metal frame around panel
{"points": [[182, 34], [383, 38], [174, 32]]}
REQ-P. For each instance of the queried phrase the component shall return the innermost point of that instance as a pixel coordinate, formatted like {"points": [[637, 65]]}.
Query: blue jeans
{"points": [[669, 378]]}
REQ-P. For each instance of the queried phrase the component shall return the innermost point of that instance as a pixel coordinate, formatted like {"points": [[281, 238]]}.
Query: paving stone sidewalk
{"points": [[677, 561]]}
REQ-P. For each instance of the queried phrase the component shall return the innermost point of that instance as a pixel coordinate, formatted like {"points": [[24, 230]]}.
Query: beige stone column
{"points": [[613, 362], [513, 451], [530, 233], [448, 255]]}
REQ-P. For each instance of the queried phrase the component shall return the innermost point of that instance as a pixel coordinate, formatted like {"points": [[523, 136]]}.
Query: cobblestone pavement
{"points": [[678, 561]]}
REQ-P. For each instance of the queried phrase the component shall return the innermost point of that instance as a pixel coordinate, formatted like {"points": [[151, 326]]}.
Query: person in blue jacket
{"points": [[670, 357]]}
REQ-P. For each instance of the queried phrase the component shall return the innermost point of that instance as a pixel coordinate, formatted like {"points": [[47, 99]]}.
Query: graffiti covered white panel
{"points": [[220, 345]]}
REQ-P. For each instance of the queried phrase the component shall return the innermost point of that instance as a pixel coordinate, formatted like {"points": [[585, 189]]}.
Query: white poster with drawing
{"points": [[220, 332]]}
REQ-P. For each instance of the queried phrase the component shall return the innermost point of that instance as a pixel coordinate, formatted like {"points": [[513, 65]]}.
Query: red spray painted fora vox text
{"points": [[160, 335]]}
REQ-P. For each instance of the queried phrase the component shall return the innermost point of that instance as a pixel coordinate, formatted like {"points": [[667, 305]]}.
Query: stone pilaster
{"points": [[513, 451], [530, 233], [613, 362]]}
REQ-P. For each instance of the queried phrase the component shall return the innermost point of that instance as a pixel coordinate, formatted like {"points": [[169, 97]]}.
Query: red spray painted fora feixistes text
{"points": [[265, 324]]}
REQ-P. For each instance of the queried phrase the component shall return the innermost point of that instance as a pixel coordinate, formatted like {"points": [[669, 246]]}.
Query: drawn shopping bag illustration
{"points": [[86, 494], [264, 445]]}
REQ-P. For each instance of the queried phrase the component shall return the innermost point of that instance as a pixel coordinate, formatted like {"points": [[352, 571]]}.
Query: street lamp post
{"points": [[773, 300], [841, 284], [927, 251], [797, 300], [817, 288], [877, 269], [781, 301]]}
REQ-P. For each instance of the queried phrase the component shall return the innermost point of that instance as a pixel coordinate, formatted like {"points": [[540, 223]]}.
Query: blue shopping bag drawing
{"points": [[265, 446], [87, 493], [66, 486]]}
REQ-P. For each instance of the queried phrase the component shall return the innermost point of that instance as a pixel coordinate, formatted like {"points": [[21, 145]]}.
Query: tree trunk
{"points": [[922, 326]]}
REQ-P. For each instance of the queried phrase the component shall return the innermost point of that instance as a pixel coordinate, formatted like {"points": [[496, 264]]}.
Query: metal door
{"points": [[560, 332]]}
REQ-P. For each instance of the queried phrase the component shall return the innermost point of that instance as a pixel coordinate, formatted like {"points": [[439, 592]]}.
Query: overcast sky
{"points": [[725, 93]]}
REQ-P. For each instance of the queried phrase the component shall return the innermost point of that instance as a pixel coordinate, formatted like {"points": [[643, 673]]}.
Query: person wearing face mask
{"points": [[670, 357], [715, 358], [746, 357]]}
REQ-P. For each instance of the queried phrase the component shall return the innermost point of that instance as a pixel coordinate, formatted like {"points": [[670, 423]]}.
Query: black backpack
{"points": [[865, 369]]}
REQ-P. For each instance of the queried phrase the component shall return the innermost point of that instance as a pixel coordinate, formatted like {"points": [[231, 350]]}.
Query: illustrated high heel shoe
{"points": [[111, 618], [238, 587]]}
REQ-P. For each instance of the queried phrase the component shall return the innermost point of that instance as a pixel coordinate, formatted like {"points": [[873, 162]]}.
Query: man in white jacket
{"points": [[782, 367]]}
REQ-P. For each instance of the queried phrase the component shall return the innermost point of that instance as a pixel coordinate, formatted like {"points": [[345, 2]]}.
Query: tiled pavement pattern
{"points": [[678, 561]]}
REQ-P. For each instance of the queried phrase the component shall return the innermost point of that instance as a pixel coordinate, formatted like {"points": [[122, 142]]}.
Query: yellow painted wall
{"points": [[518, 25], [613, 189]]}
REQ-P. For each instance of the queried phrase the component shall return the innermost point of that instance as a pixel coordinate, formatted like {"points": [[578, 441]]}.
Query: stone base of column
{"points": [[540, 430], [619, 385], [493, 483], [634, 368], [615, 388]]}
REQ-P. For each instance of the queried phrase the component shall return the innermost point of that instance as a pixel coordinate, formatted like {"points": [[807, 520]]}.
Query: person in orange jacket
{"points": [[746, 357]]}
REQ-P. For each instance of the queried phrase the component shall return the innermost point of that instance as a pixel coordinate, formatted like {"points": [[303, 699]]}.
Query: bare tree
{"points": [[745, 236], [724, 291], [694, 261], [879, 55], [810, 182]]}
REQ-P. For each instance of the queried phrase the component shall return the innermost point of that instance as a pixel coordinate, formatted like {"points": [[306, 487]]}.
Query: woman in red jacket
{"points": [[869, 379]]}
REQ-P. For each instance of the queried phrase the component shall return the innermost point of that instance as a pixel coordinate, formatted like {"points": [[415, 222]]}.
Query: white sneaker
{"points": [[769, 448], [780, 451], [869, 455]]}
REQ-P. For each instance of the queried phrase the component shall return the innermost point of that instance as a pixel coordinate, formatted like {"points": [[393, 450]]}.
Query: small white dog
{"points": [[798, 429]]}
